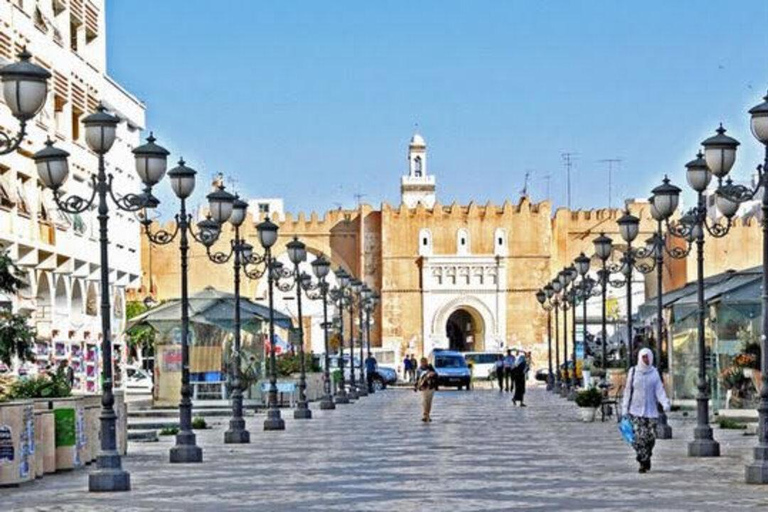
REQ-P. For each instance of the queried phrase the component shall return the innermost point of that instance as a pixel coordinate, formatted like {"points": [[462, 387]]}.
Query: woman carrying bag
{"points": [[640, 406]]}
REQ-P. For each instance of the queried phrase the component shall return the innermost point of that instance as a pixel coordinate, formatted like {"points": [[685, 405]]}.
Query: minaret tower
{"points": [[417, 187]]}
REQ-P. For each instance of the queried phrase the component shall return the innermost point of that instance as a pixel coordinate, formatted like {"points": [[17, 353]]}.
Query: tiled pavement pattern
{"points": [[479, 454]]}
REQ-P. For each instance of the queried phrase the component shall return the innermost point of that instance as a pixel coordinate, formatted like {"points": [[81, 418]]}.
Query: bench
{"points": [[283, 388]]}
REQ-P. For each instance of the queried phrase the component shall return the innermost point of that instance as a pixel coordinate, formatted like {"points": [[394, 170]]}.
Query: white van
{"points": [[483, 363]]}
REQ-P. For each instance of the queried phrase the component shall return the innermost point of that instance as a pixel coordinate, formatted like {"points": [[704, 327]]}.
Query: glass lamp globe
{"points": [[603, 246], [220, 204], [151, 161], [759, 121], [321, 267], [582, 263], [297, 251], [720, 152], [52, 165], [25, 87], [239, 212], [209, 231], [725, 202], [541, 296], [267, 231], [629, 227], [665, 199], [100, 130], [342, 277], [697, 173], [182, 180]]}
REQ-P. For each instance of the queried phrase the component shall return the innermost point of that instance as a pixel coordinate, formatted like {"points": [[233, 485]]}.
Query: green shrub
{"points": [[169, 431], [730, 423], [288, 364], [40, 386], [591, 397], [198, 423]]}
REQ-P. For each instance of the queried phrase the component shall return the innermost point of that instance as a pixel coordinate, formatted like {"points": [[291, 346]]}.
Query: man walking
{"points": [[520, 371], [414, 367], [427, 384], [370, 370], [509, 364], [499, 369], [407, 368]]}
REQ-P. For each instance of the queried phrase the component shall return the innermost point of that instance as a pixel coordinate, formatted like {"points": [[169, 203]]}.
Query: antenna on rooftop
{"points": [[610, 162]]}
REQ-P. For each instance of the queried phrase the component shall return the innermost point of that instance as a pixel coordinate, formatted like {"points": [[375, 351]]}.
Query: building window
{"points": [[462, 242], [76, 115], [22, 204], [500, 248], [263, 207], [425, 242], [6, 201], [73, 29], [58, 113], [417, 167]]}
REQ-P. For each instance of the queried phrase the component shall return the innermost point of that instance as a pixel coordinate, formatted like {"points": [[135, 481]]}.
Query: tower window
{"points": [[501, 241], [417, 167], [463, 241], [424, 242]]}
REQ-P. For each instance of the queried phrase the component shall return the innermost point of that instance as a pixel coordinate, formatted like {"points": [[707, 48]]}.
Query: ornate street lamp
{"points": [[320, 268], [267, 231], [297, 254], [355, 290], [370, 306], [542, 296], [53, 170], [182, 180], [603, 250], [565, 278], [25, 89], [340, 296], [240, 253], [717, 160], [554, 301]]}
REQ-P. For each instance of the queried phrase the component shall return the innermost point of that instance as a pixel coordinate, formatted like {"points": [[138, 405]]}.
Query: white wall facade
{"points": [[59, 253]]}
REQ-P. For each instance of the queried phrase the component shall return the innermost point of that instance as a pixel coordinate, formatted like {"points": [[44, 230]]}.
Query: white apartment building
{"points": [[59, 253]]}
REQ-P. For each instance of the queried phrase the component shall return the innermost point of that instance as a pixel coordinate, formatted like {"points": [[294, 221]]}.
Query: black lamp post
{"points": [[53, 170], [573, 299], [355, 290], [183, 184], [267, 232], [718, 160], [554, 301], [339, 296], [603, 250], [297, 254], [542, 298], [240, 253], [370, 306], [728, 198], [25, 88], [565, 278], [320, 268]]}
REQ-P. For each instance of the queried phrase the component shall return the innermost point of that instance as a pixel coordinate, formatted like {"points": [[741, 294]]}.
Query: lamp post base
{"points": [[352, 393], [186, 451], [556, 387], [274, 421], [703, 448], [663, 429], [302, 412], [327, 404], [237, 433], [362, 391], [341, 398], [109, 476], [550, 384], [757, 471]]}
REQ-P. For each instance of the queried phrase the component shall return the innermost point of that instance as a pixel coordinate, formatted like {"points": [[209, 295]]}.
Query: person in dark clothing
{"points": [[370, 371], [509, 364], [67, 371], [519, 372], [499, 369], [407, 368], [427, 384]]}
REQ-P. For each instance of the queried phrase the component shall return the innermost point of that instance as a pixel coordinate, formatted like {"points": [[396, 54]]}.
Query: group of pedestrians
{"points": [[511, 371], [410, 367]]}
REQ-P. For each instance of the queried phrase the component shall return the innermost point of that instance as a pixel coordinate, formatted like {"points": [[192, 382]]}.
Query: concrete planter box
{"points": [[17, 443], [45, 441]]}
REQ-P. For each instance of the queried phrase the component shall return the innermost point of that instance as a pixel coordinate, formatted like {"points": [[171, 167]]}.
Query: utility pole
{"points": [[568, 159], [610, 162], [358, 197], [524, 192]]}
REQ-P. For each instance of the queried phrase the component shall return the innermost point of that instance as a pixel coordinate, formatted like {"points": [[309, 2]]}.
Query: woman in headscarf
{"points": [[642, 395]]}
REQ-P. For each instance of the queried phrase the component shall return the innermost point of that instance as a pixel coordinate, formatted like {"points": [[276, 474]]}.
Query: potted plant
{"points": [[588, 401]]}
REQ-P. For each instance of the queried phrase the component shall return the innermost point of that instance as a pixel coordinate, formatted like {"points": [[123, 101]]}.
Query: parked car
{"points": [[542, 374], [483, 363], [138, 380], [384, 377], [451, 368]]}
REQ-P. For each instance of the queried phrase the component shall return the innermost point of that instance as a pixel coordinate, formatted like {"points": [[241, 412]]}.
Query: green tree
{"points": [[16, 336], [138, 336]]}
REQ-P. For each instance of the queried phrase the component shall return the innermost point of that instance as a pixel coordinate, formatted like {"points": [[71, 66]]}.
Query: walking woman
{"points": [[519, 374], [427, 384], [643, 394]]}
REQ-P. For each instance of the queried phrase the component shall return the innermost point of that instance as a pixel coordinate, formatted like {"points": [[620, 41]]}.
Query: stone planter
{"points": [[17, 443], [46, 447], [588, 414]]}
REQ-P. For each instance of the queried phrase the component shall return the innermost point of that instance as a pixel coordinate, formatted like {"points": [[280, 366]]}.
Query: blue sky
{"points": [[315, 101]]}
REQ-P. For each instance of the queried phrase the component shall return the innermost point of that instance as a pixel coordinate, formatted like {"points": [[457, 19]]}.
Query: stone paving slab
{"points": [[479, 454]]}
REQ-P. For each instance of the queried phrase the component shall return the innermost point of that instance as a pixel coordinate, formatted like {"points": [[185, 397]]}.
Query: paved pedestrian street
{"points": [[479, 454]]}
